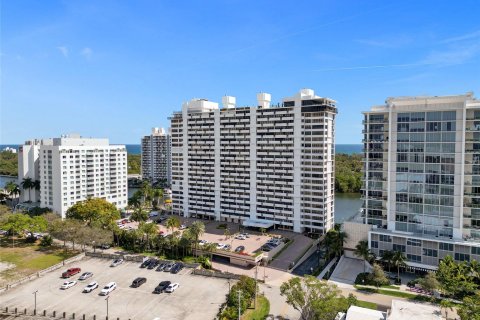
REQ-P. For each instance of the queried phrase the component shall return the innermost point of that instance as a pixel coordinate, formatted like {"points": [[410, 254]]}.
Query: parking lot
{"points": [[196, 298]]}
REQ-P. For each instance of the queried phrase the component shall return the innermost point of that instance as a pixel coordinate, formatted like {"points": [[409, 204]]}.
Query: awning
{"points": [[258, 223]]}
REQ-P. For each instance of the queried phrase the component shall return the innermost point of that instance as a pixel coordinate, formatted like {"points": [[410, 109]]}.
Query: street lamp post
{"points": [[35, 302], [239, 310], [106, 299]]}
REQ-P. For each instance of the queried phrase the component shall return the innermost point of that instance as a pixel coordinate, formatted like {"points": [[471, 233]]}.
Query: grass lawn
{"points": [[261, 312], [366, 304], [392, 293], [27, 258]]}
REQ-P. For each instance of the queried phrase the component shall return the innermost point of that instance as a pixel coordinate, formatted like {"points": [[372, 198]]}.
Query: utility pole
{"points": [[239, 310], [256, 285], [35, 297], [106, 299]]}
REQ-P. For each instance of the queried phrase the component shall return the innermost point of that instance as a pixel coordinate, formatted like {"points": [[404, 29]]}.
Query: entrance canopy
{"points": [[258, 223]]}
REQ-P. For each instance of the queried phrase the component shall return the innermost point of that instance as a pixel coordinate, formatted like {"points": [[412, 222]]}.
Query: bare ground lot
{"points": [[196, 298]]}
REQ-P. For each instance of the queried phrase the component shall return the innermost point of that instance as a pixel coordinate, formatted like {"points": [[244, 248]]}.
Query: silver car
{"points": [[86, 275]]}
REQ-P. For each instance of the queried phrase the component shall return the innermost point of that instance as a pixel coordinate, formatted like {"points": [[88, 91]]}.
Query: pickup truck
{"points": [[71, 272]]}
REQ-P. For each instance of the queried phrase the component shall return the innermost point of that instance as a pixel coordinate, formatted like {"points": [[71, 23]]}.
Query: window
{"points": [[430, 253], [375, 244], [399, 247], [414, 242], [462, 257], [476, 250], [414, 258], [385, 238]]}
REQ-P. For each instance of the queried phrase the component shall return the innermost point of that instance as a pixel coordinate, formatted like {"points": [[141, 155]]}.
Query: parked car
{"points": [[239, 249], [85, 275], [138, 282], [168, 267], [108, 288], [161, 286], [240, 237], [227, 247], [71, 272], [266, 248], [116, 262], [220, 246], [105, 246], [161, 266], [91, 286], [172, 287], [68, 284], [177, 267], [202, 242], [183, 227], [153, 264], [145, 263], [246, 235]]}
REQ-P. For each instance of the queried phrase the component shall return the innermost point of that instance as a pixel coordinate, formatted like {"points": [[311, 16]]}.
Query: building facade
{"points": [[71, 169], [260, 166], [422, 178], [156, 157]]}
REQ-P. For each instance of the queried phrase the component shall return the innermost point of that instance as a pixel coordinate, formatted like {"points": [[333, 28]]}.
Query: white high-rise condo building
{"points": [[261, 166], [71, 169], [156, 156], [422, 178]]}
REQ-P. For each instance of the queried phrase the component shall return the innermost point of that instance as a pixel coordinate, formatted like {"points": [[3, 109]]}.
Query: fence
{"points": [[24, 313], [42, 272], [134, 258]]}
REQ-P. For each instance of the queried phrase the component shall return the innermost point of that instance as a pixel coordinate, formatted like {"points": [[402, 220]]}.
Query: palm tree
{"points": [[13, 190], [362, 251], [149, 230], [387, 258], [172, 223], [398, 260], [36, 185], [27, 183], [196, 230], [157, 197]]}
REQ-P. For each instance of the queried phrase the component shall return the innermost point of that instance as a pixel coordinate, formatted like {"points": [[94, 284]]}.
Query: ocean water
{"points": [[135, 148]]}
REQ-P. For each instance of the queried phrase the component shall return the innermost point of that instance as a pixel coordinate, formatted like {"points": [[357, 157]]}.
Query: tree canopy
{"points": [[315, 299], [348, 173], [95, 212]]}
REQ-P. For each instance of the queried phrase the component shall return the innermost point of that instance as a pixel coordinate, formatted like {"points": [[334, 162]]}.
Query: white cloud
{"points": [[467, 36], [392, 42], [63, 50], [454, 56], [87, 53]]}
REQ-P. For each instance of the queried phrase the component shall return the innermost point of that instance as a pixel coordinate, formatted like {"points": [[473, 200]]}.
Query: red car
{"points": [[70, 272]]}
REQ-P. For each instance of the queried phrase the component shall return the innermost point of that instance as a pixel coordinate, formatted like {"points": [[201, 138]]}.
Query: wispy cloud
{"points": [[382, 66], [467, 36], [393, 42], [63, 50], [452, 56], [87, 53]]}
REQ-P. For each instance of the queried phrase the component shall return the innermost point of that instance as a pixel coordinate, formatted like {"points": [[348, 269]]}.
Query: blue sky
{"points": [[117, 68]]}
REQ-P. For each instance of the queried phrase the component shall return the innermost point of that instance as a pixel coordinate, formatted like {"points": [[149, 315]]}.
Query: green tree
{"points": [[314, 298], [246, 288], [378, 276], [157, 198], [197, 229], [348, 173], [134, 163], [27, 184], [18, 223], [429, 282], [335, 240], [470, 309], [398, 261], [387, 258], [149, 230], [173, 222], [95, 212], [13, 190], [8, 163], [455, 278], [362, 251]]}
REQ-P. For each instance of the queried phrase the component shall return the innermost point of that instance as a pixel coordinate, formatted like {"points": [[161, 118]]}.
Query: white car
{"points": [[183, 227], [68, 284], [116, 262], [202, 242], [240, 237], [85, 276], [220, 246], [91, 286], [172, 287], [108, 288]]}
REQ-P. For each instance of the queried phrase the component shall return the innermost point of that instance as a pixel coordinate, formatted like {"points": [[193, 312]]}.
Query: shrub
{"points": [[46, 241]]}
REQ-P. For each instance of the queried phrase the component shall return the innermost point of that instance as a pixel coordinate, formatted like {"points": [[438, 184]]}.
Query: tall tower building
{"points": [[261, 166], [71, 169], [156, 156], [422, 178]]}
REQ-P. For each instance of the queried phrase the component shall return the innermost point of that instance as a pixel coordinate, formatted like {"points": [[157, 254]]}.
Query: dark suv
{"points": [[138, 282], [161, 286], [177, 267], [145, 263]]}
